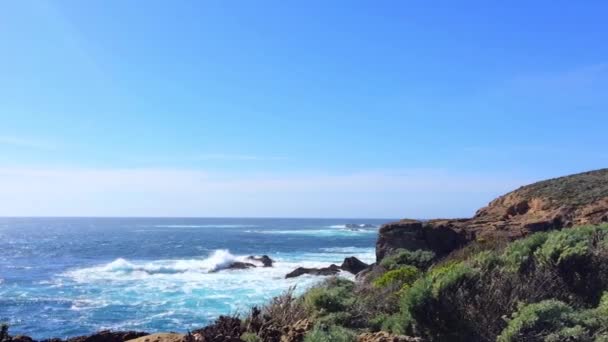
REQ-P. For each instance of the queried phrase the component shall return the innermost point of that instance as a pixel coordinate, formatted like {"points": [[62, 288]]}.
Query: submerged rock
{"points": [[238, 265], [324, 271], [353, 265]]}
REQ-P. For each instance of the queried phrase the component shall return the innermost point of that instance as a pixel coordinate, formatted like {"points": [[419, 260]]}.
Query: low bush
{"points": [[267, 322], [398, 278], [420, 259], [467, 299], [334, 295], [538, 320], [330, 333]]}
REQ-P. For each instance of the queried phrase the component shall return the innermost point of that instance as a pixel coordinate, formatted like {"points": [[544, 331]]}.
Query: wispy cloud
{"points": [[223, 156], [26, 143], [183, 192], [218, 157]]}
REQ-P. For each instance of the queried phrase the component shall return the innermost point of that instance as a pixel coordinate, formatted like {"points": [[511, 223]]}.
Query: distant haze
{"points": [[310, 109]]}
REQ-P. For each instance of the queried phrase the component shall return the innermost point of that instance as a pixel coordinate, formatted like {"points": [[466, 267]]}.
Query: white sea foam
{"points": [[190, 287], [317, 232]]}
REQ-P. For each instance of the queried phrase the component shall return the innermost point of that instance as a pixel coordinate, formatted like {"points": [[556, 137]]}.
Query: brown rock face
{"points": [[440, 236], [552, 204]]}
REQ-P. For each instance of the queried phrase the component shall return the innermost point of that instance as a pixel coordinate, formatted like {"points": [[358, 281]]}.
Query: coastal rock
{"points": [[109, 336], [264, 259], [238, 265], [164, 337], [353, 265], [224, 329], [552, 204], [324, 271], [22, 338]]}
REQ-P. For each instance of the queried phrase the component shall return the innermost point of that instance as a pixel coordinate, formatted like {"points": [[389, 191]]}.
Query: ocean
{"points": [[63, 277]]}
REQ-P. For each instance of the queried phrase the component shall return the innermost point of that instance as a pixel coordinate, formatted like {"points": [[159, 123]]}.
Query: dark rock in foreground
{"points": [[353, 265], [224, 329], [324, 271], [109, 336], [102, 336]]}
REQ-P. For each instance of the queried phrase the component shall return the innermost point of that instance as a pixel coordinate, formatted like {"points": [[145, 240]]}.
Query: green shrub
{"points": [[520, 253], [566, 245], [449, 276], [333, 296], [549, 317], [420, 259], [405, 275], [250, 337], [324, 333], [342, 318], [395, 323]]}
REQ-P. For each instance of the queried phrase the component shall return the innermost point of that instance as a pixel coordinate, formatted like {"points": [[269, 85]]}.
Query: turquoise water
{"points": [[63, 277]]}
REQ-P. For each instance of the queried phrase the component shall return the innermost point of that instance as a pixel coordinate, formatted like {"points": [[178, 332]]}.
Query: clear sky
{"points": [[295, 108]]}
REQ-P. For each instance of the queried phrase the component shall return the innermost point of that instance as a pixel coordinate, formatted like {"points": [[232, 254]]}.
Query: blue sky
{"points": [[284, 108]]}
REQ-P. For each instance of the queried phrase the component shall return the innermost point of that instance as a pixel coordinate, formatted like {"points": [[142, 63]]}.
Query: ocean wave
{"points": [[353, 226], [349, 250], [316, 232], [218, 260]]}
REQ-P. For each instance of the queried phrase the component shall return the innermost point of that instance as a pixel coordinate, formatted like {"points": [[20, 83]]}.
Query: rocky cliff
{"points": [[551, 204]]}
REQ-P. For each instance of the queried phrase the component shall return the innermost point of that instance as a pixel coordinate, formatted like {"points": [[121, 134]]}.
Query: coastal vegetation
{"points": [[550, 286], [531, 266]]}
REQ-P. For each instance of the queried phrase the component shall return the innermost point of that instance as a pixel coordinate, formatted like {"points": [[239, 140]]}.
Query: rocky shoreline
{"points": [[435, 256]]}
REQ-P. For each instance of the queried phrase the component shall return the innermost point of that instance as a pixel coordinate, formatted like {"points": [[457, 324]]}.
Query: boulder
{"points": [[324, 271], [238, 265], [264, 259], [109, 336], [353, 265], [22, 338]]}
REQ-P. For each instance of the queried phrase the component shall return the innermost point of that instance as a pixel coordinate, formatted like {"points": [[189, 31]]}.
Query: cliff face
{"points": [[551, 204]]}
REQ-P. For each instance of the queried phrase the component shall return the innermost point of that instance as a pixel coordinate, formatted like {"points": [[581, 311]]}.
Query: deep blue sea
{"points": [[61, 277]]}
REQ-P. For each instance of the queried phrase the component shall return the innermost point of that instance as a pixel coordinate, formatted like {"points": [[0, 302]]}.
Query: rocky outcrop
{"points": [[440, 236], [264, 259], [238, 265], [353, 265], [552, 204], [324, 271]]}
